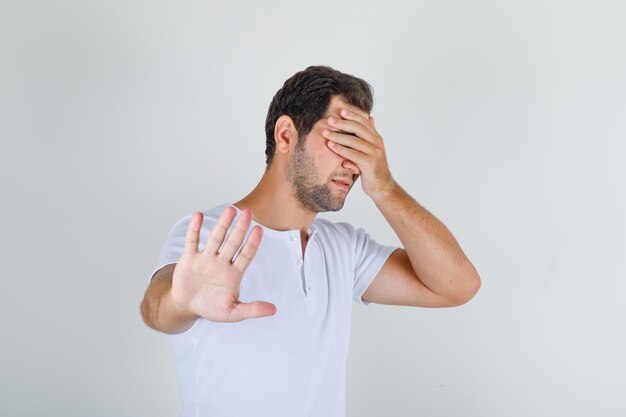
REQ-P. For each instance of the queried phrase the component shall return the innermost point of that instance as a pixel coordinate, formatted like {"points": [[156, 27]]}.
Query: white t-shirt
{"points": [[293, 363]]}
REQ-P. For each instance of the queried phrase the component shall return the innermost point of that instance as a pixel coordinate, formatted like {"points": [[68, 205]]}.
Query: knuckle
{"points": [[232, 244], [245, 256], [215, 239]]}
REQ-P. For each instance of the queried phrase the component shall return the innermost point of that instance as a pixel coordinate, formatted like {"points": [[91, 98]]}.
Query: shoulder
{"points": [[210, 218], [211, 215]]}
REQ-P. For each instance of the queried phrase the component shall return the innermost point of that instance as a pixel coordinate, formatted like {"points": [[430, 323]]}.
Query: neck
{"points": [[274, 205]]}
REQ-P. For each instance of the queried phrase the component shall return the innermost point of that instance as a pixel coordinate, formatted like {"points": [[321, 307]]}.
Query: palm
{"points": [[207, 283]]}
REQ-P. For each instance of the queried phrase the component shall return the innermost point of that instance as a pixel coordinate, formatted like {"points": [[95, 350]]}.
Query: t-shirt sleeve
{"points": [[174, 244], [370, 256]]}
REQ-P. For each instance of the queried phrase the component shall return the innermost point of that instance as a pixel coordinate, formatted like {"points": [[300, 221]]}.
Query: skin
{"points": [[430, 270], [312, 194]]}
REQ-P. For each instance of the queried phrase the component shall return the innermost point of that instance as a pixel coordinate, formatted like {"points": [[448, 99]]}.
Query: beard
{"points": [[312, 196]]}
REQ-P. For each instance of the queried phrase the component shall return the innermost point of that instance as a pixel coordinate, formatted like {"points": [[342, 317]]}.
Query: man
{"points": [[261, 315]]}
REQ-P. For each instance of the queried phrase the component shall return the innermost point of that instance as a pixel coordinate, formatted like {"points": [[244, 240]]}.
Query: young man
{"points": [[260, 316]]}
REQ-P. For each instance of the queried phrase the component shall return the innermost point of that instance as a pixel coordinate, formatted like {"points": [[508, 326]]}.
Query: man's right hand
{"points": [[206, 283]]}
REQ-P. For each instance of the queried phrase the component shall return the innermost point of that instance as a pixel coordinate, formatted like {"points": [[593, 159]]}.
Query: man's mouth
{"points": [[343, 184]]}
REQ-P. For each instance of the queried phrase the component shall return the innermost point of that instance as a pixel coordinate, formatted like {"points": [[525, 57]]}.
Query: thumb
{"points": [[252, 310]]}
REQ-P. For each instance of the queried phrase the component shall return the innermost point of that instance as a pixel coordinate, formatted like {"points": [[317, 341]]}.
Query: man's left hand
{"points": [[354, 137]]}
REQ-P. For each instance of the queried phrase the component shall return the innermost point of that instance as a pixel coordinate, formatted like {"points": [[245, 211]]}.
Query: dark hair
{"points": [[305, 98]]}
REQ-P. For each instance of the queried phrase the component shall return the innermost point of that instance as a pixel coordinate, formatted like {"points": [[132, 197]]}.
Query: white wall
{"points": [[505, 119]]}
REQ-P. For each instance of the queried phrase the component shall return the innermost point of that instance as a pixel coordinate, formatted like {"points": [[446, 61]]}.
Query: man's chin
{"points": [[336, 206], [321, 199]]}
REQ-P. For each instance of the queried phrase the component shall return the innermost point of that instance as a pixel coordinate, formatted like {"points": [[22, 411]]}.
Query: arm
{"points": [[205, 283], [432, 270], [159, 311]]}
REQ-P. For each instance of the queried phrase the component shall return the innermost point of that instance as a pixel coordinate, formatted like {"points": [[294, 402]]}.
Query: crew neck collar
{"points": [[274, 232]]}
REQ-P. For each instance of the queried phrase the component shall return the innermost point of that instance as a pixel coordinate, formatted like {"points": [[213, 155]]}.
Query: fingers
{"points": [[354, 127], [354, 142], [235, 239], [231, 244], [216, 237], [352, 115], [253, 310], [192, 238], [249, 249], [346, 152]]}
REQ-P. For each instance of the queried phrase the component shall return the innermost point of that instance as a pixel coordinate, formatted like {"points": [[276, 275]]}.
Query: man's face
{"points": [[319, 178]]}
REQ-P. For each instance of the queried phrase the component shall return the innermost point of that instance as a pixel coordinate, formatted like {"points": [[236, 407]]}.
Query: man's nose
{"points": [[347, 164]]}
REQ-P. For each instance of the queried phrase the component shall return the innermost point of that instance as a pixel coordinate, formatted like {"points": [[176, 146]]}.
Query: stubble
{"points": [[311, 195]]}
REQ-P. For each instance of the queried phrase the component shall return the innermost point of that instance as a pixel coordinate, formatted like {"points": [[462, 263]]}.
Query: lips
{"points": [[346, 182], [343, 184]]}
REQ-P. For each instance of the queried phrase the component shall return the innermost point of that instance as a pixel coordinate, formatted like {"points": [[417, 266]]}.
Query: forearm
{"points": [[436, 258], [160, 312]]}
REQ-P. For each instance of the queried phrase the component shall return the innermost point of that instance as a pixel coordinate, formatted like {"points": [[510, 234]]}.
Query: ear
{"points": [[285, 134]]}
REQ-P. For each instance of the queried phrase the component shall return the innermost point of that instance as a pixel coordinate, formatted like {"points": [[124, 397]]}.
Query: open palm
{"points": [[207, 282]]}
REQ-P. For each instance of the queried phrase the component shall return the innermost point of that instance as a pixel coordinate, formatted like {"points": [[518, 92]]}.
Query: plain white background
{"points": [[505, 119]]}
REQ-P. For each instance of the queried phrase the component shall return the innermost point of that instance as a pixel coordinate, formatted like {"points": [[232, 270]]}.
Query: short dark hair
{"points": [[305, 98]]}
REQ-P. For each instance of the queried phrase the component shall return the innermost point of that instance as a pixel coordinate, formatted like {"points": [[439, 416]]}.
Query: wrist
{"points": [[177, 306], [385, 191], [179, 317]]}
